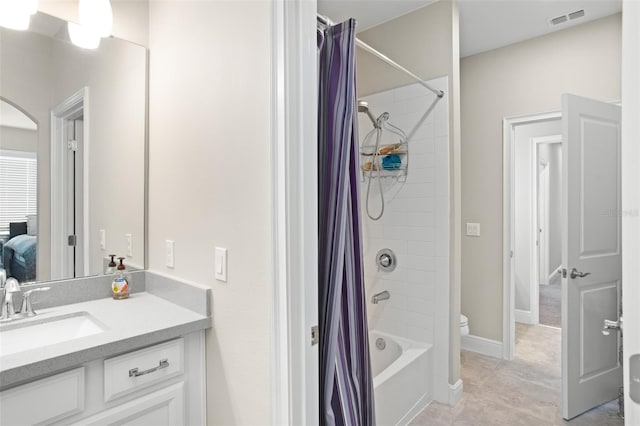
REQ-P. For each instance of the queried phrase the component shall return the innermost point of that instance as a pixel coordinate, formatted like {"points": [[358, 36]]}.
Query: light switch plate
{"points": [[473, 229], [221, 264], [170, 253], [634, 379], [129, 240], [103, 239]]}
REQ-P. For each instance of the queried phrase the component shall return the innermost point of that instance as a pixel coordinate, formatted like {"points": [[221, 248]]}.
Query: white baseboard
{"points": [[481, 345], [455, 393], [418, 408], [525, 317]]}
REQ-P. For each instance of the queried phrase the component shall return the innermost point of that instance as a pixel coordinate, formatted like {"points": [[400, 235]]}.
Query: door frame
{"points": [[60, 115], [294, 358], [630, 195], [541, 191], [534, 287], [508, 207]]}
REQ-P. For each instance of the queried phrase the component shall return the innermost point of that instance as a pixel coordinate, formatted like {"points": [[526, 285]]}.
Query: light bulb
{"points": [[96, 14], [31, 6], [15, 14], [82, 36], [14, 20]]}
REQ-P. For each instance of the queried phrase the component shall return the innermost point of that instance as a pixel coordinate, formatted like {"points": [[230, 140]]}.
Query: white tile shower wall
{"points": [[415, 223]]}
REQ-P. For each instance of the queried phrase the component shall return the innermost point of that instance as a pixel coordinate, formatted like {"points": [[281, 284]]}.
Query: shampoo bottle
{"points": [[120, 285]]}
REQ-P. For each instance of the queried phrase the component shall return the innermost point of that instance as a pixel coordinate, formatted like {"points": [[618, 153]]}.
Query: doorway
{"points": [[591, 371], [69, 187], [536, 232], [548, 224]]}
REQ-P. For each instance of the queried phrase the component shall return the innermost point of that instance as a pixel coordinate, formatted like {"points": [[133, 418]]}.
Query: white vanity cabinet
{"points": [[162, 384]]}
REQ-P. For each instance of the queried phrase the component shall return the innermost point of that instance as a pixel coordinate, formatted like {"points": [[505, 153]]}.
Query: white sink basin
{"points": [[24, 336]]}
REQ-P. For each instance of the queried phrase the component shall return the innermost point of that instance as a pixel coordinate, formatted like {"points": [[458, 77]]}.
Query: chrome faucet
{"points": [[11, 286], [27, 307], [7, 305], [384, 295]]}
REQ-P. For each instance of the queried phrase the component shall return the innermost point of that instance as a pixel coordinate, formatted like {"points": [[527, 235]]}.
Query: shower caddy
{"points": [[372, 160]]}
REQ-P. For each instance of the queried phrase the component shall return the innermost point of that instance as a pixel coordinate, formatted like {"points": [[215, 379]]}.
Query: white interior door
{"points": [[591, 369]]}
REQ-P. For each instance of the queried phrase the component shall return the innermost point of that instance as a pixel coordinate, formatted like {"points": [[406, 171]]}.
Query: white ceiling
{"points": [[484, 24]]}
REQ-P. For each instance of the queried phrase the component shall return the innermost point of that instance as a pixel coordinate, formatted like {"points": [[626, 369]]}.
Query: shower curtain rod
{"points": [[364, 46]]}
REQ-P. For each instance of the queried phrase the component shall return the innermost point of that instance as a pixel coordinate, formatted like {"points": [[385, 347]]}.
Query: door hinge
{"points": [[72, 240], [315, 335], [72, 145]]}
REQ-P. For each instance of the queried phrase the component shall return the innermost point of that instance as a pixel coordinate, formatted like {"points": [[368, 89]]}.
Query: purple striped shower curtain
{"points": [[346, 384]]}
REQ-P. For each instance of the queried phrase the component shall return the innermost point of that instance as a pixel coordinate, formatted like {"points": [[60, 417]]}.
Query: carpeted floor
{"points": [[550, 304]]}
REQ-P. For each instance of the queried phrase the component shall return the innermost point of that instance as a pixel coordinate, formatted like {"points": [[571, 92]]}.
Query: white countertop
{"points": [[141, 320]]}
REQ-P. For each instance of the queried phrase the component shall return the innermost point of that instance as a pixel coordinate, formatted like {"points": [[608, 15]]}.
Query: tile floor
{"points": [[522, 392], [550, 301]]}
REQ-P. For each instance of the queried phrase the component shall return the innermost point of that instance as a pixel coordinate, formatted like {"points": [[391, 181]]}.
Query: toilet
{"points": [[464, 325]]}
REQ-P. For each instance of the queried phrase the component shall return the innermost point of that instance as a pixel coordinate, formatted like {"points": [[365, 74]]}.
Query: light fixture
{"points": [[83, 36], [96, 14], [31, 6], [16, 14]]}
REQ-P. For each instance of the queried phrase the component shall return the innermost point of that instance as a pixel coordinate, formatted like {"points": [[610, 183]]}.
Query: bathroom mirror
{"points": [[72, 153]]}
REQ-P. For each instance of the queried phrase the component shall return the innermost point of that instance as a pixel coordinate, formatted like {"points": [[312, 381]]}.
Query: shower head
{"points": [[363, 106]]}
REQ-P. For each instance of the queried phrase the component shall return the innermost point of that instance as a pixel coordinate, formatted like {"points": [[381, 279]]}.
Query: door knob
{"points": [[611, 325], [575, 273]]}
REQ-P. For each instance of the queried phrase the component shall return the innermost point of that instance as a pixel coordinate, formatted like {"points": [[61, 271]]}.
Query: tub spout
{"points": [[384, 295]]}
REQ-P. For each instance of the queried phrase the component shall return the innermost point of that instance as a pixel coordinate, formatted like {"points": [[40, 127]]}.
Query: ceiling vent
{"points": [[577, 14], [566, 18]]}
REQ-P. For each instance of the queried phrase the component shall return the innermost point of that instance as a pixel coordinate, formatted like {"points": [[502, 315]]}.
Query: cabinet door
{"points": [[161, 408]]}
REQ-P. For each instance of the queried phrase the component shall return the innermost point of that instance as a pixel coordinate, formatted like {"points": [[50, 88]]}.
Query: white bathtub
{"points": [[401, 378]]}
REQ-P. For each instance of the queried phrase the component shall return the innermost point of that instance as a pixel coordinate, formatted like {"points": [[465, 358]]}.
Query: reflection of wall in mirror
{"points": [[15, 139], [38, 73]]}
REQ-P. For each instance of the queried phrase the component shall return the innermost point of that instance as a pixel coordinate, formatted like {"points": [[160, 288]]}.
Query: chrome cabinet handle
{"points": [[134, 372], [575, 273]]}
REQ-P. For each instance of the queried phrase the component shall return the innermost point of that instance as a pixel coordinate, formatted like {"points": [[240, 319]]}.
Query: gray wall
{"points": [[523, 78], [17, 139]]}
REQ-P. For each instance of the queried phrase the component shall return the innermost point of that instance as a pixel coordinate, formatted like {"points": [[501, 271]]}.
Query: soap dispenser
{"points": [[111, 267], [120, 285]]}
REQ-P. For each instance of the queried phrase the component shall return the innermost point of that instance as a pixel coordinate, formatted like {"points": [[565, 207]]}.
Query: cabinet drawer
{"points": [[136, 370], [165, 407], [44, 401]]}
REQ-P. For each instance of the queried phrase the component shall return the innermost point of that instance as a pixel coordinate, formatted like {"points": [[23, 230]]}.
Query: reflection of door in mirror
{"points": [[69, 187], [18, 192]]}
